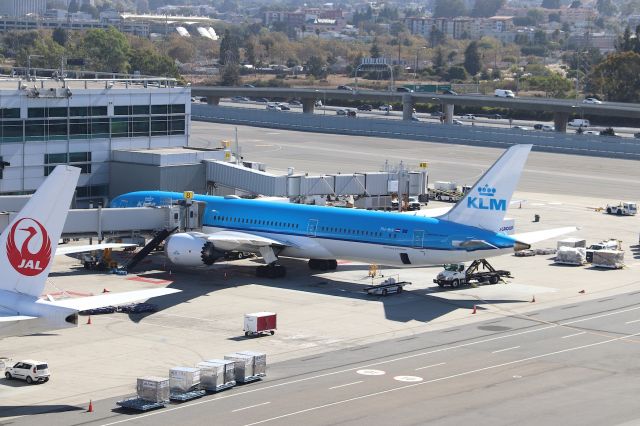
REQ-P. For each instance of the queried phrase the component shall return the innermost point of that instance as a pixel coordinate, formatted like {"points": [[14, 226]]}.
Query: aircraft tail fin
{"points": [[485, 205], [29, 243]]}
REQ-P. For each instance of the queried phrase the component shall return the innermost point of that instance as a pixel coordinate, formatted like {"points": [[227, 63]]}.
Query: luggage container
{"points": [[259, 362], [260, 322], [183, 379], [212, 376], [572, 242], [576, 256], [228, 371], [610, 259], [244, 367], [153, 389]]}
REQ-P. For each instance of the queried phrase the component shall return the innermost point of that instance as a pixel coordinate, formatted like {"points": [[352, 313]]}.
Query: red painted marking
{"points": [[23, 260], [343, 262], [150, 280]]}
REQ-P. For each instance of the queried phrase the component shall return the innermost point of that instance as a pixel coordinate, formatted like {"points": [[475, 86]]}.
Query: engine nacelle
{"points": [[190, 250]]}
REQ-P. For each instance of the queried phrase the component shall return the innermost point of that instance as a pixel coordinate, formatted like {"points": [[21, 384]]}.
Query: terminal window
{"points": [[76, 159]]}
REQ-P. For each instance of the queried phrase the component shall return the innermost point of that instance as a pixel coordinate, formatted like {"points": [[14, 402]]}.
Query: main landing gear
{"points": [[272, 270], [323, 264]]}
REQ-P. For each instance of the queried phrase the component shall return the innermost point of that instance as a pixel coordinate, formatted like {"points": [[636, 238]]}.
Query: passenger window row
{"points": [[256, 222]]}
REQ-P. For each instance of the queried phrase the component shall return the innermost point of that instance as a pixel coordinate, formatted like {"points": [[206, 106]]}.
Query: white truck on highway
{"points": [[625, 208]]}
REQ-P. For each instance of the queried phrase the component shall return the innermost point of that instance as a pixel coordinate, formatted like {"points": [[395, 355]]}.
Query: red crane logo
{"points": [[24, 260]]}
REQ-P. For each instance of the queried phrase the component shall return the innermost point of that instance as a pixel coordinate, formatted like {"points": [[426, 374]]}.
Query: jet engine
{"points": [[190, 250]]}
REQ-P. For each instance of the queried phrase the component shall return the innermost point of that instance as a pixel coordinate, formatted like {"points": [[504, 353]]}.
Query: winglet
{"points": [[485, 205]]}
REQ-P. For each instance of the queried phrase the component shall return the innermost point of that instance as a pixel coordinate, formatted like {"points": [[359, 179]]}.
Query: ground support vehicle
{"points": [[187, 396], [28, 370], [455, 274], [625, 208], [260, 322], [611, 244], [388, 286], [139, 404]]}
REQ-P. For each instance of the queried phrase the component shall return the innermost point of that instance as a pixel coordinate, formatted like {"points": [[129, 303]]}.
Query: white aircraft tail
{"points": [[29, 243], [485, 205]]}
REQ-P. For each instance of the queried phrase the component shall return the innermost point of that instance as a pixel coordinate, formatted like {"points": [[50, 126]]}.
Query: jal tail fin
{"points": [[485, 205], [29, 243]]}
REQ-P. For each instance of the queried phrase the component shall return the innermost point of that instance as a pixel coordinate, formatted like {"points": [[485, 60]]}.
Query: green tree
{"points": [[536, 15], [550, 4], [449, 9], [230, 74], [436, 37], [181, 49], [457, 73], [317, 66], [148, 61], [48, 51], [472, 62], [554, 85], [606, 7], [618, 77], [229, 48], [250, 51], [60, 36], [486, 8], [438, 60], [106, 50], [375, 49]]}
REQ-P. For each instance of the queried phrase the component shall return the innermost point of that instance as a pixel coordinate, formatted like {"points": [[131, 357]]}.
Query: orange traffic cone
{"points": [[89, 320], [581, 292], [533, 299], [474, 309], [90, 409]]}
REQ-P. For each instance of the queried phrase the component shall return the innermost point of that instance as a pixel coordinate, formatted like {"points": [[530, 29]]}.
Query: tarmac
{"points": [[518, 362]]}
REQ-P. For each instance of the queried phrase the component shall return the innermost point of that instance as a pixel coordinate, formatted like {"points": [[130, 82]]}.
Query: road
{"points": [[572, 365], [316, 153], [427, 118]]}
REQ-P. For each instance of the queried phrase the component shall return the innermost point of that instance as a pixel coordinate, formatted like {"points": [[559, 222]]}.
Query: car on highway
{"points": [[415, 118], [284, 107], [404, 90], [262, 100], [240, 99], [457, 122], [494, 116], [346, 111], [636, 135], [588, 132], [449, 92], [365, 107], [469, 117], [548, 128], [437, 114], [295, 102], [251, 86], [521, 128], [538, 126], [385, 108], [343, 87], [592, 101], [273, 107], [29, 370]]}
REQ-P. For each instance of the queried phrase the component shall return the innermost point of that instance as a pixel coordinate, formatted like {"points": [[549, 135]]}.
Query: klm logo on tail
{"points": [[485, 200]]}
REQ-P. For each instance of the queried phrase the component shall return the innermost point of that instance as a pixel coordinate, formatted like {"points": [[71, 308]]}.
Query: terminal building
{"points": [[82, 122]]}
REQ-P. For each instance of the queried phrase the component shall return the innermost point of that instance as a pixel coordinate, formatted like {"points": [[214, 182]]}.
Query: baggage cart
{"points": [[260, 322], [140, 404], [212, 376], [244, 367], [187, 396], [388, 286]]}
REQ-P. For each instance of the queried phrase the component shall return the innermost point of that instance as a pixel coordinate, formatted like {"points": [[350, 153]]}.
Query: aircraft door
{"points": [[312, 227], [418, 238]]}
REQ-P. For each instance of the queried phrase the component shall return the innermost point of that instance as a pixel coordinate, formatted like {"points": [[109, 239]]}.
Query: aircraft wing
{"points": [[80, 249], [234, 240], [92, 302], [11, 318], [536, 236]]}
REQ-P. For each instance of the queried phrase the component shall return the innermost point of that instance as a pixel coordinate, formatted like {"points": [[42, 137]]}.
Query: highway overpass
{"points": [[562, 109]]}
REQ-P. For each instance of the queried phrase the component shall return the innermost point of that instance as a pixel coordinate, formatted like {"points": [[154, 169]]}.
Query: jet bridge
{"points": [[109, 222]]}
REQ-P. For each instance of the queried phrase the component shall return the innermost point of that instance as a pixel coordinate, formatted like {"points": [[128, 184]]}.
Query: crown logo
{"points": [[486, 191]]}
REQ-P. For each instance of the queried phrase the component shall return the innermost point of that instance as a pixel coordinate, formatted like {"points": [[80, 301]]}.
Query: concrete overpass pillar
{"points": [[448, 113], [213, 100], [560, 121], [308, 106], [407, 106]]}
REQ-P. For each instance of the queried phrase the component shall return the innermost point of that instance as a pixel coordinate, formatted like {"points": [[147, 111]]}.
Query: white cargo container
{"points": [[184, 379], [445, 186], [576, 256], [259, 362], [153, 389], [611, 259], [244, 367], [572, 242], [228, 370]]}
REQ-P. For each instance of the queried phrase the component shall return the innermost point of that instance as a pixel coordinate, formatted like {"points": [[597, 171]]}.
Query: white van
{"points": [[579, 122], [502, 93]]}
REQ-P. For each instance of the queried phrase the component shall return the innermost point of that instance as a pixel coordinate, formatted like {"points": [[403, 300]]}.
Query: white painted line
{"points": [[402, 358], [573, 335], [346, 384], [370, 372], [466, 373], [631, 322], [408, 378], [429, 366], [251, 406], [506, 349]]}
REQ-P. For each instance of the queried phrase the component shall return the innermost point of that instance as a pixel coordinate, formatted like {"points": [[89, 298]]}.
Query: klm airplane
{"points": [[468, 231]]}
